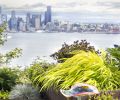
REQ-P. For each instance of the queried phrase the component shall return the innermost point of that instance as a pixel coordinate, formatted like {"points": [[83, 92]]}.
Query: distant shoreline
{"points": [[67, 32]]}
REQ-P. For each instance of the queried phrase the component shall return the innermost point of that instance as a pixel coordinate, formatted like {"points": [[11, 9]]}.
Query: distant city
{"points": [[34, 23]]}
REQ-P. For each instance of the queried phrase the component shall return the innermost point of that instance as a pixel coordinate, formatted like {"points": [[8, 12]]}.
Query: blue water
{"points": [[44, 44]]}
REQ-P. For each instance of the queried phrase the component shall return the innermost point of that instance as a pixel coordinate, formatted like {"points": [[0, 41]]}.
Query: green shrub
{"points": [[67, 51], [4, 95], [24, 92], [85, 67], [8, 78], [37, 68]]}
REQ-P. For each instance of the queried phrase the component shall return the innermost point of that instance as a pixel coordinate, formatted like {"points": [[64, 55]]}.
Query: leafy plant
{"points": [[4, 95], [85, 67], [114, 54], [2, 35], [68, 51], [105, 95], [6, 58], [38, 68], [8, 78], [24, 92]]}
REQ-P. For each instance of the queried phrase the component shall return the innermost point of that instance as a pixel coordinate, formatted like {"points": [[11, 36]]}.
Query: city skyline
{"points": [[29, 23], [93, 10], [34, 23]]}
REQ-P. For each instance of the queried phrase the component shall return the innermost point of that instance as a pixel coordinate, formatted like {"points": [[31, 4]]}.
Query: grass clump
{"points": [[85, 67]]}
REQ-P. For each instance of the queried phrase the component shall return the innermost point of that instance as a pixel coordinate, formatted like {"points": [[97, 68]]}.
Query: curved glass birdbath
{"points": [[80, 90]]}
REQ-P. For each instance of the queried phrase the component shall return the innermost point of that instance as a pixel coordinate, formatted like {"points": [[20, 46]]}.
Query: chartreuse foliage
{"points": [[4, 95], [85, 67]]}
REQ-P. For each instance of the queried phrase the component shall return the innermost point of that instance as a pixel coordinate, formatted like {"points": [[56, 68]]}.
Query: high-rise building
{"points": [[13, 15], [13, 22], [19, 21], [48, 15], [22, 26], [45, 19], [28, 21], [37, 22], [33, 20]]}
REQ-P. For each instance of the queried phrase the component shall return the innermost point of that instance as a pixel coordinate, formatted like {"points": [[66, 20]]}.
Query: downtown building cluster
{"points": [[31, 23], [35, 22]]}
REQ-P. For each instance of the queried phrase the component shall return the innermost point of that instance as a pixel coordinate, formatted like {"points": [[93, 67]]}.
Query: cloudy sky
{"points": [[107, 9]]}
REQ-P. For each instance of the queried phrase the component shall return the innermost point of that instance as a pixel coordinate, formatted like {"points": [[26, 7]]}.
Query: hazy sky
{"points": [[108, 8]]}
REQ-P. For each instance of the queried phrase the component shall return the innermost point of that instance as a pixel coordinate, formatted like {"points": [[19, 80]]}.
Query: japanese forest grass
{"points": [[85, 67]]}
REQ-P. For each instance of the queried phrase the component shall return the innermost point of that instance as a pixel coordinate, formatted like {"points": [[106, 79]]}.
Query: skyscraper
{"points": [[48, 15], [28, 21], [13, 22], [13, 14], [33, 20], [45, 19], [37, 22], [19, 20]]}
